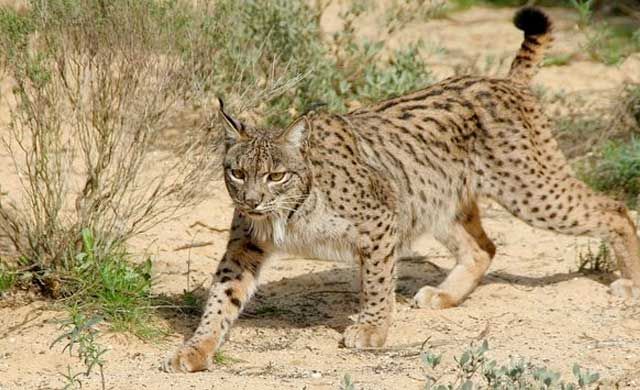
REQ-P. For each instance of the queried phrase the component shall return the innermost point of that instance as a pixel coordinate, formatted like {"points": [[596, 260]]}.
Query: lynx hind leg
{"points": [[559, 202], [470, 219], [473, 250]]}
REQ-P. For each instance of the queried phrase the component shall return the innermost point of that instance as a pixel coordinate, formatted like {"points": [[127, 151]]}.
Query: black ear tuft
{"points": [[532, 21], [234, 129]]}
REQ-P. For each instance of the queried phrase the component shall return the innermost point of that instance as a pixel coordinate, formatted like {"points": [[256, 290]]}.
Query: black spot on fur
{"points": [[254, 248], [532, 21]]}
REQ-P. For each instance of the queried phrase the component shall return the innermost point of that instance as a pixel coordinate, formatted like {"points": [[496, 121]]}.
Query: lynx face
{"points": [[265, 171]]}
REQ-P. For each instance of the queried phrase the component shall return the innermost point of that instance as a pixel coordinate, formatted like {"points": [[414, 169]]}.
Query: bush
{"points": [[603, 140], [336, 72], [89, 103], [616, 170]]}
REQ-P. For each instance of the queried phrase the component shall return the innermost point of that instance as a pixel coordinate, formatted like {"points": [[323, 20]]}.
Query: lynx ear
{"points": [[297, 133], [234, 128]]}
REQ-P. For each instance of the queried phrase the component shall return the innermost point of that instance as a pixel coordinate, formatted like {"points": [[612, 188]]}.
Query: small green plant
{"points": [[584, 376], [191, 303], [347, 383], [80, 332], [8, 277], [474, 370], [71, 379], [599, 262], [431, 359], [222, 359]]}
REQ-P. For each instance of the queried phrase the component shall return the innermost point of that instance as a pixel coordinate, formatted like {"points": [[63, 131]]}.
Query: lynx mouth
{"points": [[254, 214]]}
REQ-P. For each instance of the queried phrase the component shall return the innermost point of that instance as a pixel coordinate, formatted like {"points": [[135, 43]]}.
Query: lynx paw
{"points": [[624, 288], [433, 298], [186, 359], [364, 335]]}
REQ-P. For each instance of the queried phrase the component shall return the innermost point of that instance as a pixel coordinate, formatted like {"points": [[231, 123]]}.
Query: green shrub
{"points": [[289, 35], [611, 44], [16, 29], [602, 141], [474, 370], [605, 42], [616, 169], [100, 280]]}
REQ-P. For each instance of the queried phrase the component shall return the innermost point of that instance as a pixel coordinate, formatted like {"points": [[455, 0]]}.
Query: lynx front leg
{"points": [[234, 283], [377, 296]]}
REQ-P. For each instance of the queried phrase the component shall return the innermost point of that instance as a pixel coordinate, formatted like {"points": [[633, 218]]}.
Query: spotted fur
{"points": [[364, 185]]}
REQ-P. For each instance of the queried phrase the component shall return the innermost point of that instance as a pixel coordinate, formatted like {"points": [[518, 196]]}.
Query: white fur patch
{"points": [[279, 229], [273, 229], [320, 235]]}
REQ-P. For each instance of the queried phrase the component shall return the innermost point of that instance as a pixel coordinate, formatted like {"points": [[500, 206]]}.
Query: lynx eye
{"points": [[237, 174], [276, 177]]}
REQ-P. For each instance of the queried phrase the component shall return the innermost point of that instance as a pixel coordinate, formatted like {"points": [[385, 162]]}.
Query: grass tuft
{"points": [[101, 279], [222, 359], [600, 262]]}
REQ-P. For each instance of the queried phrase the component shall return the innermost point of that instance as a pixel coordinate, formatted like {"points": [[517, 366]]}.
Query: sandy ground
{"points": [[532, 303]]}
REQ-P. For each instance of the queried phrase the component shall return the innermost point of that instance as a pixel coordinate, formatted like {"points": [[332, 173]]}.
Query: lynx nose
{"points": [[253, 201]]}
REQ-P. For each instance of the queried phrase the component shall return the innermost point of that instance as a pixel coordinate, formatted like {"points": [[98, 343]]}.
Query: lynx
{"points": [[364, 185]]}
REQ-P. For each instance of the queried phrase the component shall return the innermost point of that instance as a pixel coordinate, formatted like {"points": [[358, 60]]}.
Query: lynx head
{"points": [[266, 171]]}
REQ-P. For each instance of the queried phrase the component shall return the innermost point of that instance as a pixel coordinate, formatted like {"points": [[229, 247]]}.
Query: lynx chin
{"points": [[364, 185]]}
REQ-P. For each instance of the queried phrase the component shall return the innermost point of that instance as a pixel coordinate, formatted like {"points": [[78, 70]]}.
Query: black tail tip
{"points": [[532, 21]]}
